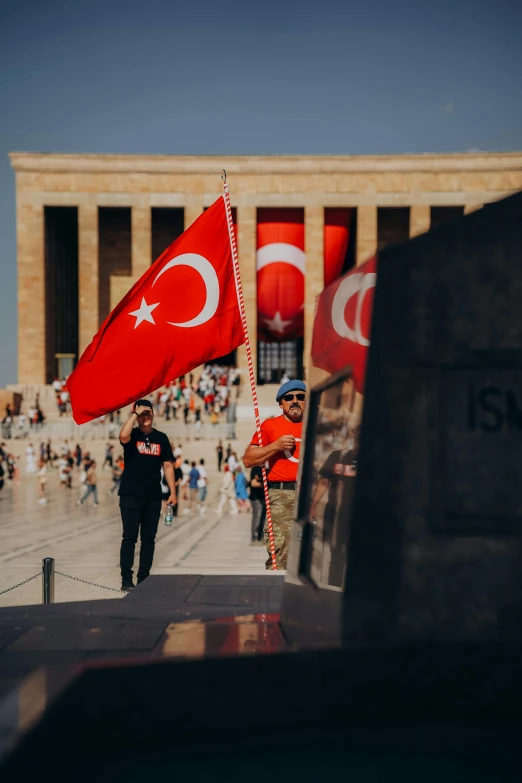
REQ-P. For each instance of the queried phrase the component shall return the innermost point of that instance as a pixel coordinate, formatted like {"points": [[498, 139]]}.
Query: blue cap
{"points": [[290, 386]]}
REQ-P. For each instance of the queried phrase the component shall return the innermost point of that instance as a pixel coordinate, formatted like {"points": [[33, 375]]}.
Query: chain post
{"points": [[48, 580], [20, 584], [86, 582]]}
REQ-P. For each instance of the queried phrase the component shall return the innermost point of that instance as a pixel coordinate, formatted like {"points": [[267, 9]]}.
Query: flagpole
{"points": [[241, 303]]}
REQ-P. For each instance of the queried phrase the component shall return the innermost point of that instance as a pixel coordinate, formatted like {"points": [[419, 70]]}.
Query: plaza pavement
{"points": [[84, 541]]}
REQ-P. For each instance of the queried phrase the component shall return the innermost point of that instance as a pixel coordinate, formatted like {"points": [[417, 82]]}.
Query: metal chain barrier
{"points": [[85, 582], [21, 583]]}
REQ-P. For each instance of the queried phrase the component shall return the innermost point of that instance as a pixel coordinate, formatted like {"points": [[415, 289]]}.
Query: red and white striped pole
{"points": [[241, 303]]}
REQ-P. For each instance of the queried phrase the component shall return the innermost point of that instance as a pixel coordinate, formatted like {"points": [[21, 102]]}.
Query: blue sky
{"points": [[244, 78]]}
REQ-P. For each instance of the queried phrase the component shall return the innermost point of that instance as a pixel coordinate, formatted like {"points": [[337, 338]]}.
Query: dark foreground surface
{"points": [[141, 624], [408, 714], [115, 693]]}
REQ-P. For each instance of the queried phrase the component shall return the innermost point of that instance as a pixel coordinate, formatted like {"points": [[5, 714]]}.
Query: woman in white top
{"points": [[30, 459], [232, 462], [185, 470], [227, 491], [42, 481]]}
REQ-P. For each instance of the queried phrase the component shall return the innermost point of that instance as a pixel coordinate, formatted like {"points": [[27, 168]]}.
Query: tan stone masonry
{"points": [[193, 182]]}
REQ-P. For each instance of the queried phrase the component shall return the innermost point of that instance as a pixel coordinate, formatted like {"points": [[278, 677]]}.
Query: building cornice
{"points": [[264, 164]]}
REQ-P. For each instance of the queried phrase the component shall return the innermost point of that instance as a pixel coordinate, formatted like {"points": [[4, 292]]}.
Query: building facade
{"points": [[89, 225]]}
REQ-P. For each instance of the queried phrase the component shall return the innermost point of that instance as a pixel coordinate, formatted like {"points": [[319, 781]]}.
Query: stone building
{"points": [[89, 225]]}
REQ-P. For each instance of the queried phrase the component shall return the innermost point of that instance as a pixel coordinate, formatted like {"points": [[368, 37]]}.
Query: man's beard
{"points": [[295, 412]]}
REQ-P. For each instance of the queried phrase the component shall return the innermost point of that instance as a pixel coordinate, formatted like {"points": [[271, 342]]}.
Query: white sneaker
{"points": [[42, 501]]}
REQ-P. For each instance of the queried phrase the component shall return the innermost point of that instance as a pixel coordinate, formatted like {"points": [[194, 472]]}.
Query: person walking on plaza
{"points": [[241, 490], [257, 500], [202, 484], [30, 459], [91, 483], [185, 472], [145, 451], [42, 481], [11, 467], [280, 436], [232, 462], [117, 473], [64, 473], [193, 485], [108, 462], [227, 492], [219, 452]]}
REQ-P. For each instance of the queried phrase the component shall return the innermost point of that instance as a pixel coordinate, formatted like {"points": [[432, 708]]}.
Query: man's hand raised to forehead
{"points": [[140, 409]]}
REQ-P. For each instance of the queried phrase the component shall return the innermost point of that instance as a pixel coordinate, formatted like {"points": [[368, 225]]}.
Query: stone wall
{"points": [[193, 183]]}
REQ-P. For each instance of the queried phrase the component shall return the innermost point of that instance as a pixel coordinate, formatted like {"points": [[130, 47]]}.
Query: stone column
{"points": [[420, 219], [314, 277], [192, 211], [141, 248], [247, 242], [87, 274], [31, 294], [366, 233]]}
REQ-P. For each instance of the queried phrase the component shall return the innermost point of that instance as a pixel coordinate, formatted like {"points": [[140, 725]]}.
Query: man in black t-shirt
{"points": [[145, 451]]}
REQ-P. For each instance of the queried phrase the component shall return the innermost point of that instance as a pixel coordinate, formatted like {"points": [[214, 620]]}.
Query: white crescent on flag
{"points": [[210, 278]]}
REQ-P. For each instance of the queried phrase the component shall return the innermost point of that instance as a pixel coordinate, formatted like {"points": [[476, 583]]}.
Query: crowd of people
{"points": [[63, 402], [73, 466], [8, 465], [188, 398], [17, 426], [191, 399], [237, 493], [150, 474]]}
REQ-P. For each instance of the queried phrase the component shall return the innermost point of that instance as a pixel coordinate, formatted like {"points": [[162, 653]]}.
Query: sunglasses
{"points": [[290, 397]]}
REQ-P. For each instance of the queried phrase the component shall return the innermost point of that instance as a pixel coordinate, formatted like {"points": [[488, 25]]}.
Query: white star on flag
{"points": [[144, 313], [276, 324]]}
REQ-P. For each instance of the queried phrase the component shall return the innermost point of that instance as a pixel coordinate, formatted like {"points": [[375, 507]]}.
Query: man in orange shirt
{"points": [[280, 437]]}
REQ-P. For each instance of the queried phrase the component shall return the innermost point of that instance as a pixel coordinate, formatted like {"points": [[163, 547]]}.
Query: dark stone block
{"points": [[434, 526], [89, 634]]}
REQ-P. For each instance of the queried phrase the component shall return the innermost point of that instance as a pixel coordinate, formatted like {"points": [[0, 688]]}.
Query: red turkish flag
{"points": [[280, 274], [342, 323], [181, 313]]}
